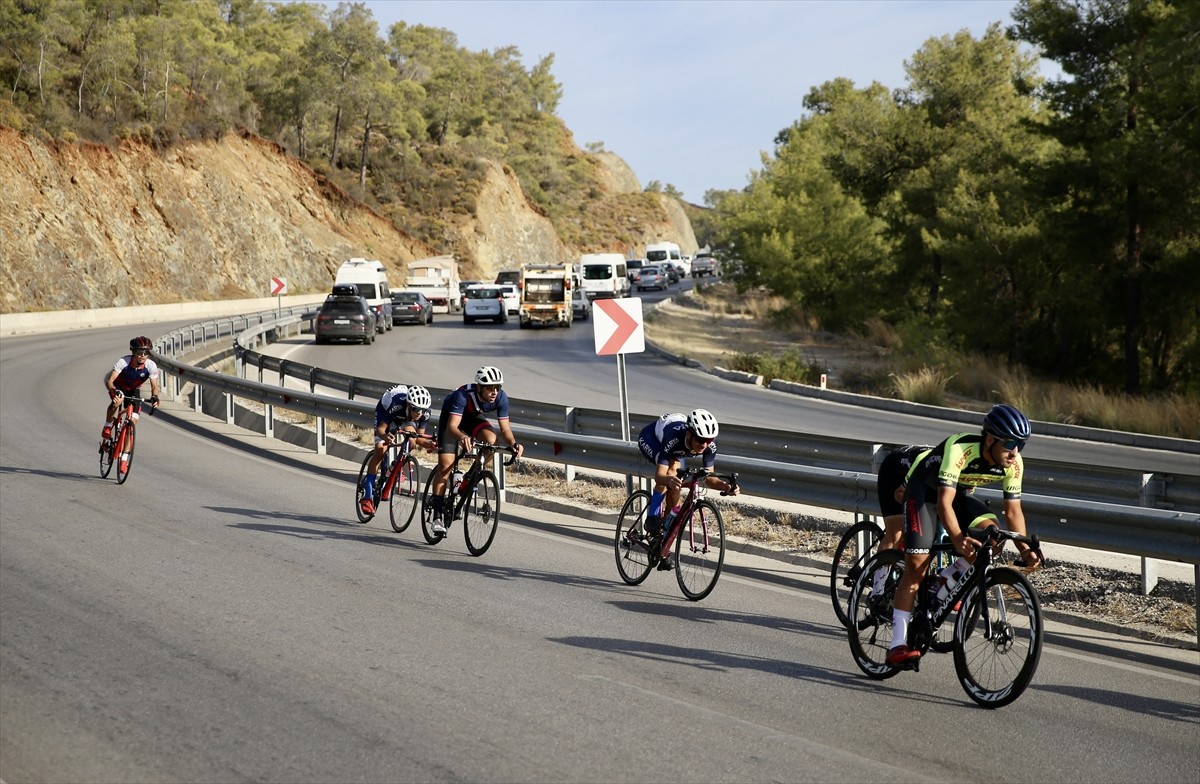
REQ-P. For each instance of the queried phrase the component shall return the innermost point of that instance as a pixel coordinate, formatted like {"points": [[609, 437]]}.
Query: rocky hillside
{"points": [[84, 226]]}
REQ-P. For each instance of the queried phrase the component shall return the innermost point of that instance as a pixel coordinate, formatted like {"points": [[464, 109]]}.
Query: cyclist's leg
{"points": [[375, 459], [919, 530], [889, 486], [972, 513]]}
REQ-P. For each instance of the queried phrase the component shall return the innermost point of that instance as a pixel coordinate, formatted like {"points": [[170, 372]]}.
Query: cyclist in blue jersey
{"points": [[933, 493], [668, 442], [463, 420], [402, 407], [127, 376]]}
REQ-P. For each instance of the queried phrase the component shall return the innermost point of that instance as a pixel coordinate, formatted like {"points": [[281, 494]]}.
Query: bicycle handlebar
{"points": [[693, 477], [996, 532], [479, 447], [135, 400]]}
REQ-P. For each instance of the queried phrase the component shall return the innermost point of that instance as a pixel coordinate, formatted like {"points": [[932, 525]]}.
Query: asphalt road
{"points": [[561, 366], [220, 618]]}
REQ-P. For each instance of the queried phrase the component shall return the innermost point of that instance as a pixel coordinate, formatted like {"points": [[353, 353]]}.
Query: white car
{"points": [[484, 301], [512, 298]]}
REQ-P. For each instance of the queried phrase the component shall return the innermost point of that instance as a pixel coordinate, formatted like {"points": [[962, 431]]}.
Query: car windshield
{"points": [[483, 293], [405, 300], [656, 255]]}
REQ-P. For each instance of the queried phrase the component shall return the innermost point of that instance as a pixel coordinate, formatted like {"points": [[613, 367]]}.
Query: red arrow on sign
{"points": [[624, 326], [278, 286]]}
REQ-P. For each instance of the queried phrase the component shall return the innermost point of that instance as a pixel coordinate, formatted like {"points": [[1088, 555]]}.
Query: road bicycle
{"points": [[696, 532], [118, 448], [852, 553], [396, 481], [997, 634], [473, 495]]}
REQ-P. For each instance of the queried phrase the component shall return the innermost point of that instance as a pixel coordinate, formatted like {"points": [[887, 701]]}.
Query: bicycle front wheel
{"points": [[999, 638], [124, 452], [851, 555], [481, 513], [630, 545], [427, 509], [700, 551], [870, 613], [405, 494]]}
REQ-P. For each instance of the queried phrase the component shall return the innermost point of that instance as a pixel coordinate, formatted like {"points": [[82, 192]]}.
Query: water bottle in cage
{"points": [[456, 481]]}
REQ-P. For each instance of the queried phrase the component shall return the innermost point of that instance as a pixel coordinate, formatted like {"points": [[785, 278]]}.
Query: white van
{"points": [[660, 253], [370, 278], [603, 275]]}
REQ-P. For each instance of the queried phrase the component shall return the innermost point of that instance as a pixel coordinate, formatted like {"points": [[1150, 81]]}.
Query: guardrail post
{"points": [[269, 420], [312, 381], [569, 427], [322, 436], [282, 374], [350, 387], [1149, 566], [230, 408], [198, 399]]}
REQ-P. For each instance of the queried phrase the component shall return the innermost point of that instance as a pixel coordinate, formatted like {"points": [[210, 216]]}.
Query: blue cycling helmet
{"points": [[1006, 422]]}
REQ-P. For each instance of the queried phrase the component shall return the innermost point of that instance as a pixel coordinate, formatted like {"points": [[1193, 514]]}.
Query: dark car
{"points": [[512, 276], [672, 272], [345, 317], [411, 307]]}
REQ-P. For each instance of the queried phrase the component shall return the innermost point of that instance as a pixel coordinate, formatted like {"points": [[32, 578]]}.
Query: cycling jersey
{"points": [[663, 441], [956, 461], [129, 378], [959, 461], [392, 408], [465, 402]]}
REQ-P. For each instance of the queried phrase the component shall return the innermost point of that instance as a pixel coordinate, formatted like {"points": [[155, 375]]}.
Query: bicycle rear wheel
{"points": [[427, 509], [870, 613], [481, 513], [630, 545], [851, 555], [405, 493], [124, 450], [700, 551], [994, 669]]}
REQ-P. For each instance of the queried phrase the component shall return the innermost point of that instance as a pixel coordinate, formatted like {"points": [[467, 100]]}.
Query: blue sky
{"points": [[692, 92]]}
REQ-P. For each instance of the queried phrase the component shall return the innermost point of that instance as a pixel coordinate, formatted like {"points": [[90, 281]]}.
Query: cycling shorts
{"points": [[471, 423], [891, 475], [921, 526]]}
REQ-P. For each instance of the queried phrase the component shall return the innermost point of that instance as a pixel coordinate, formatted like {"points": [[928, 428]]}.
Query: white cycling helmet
{"points": [[702, 423], [489, 375], [419, 397]]}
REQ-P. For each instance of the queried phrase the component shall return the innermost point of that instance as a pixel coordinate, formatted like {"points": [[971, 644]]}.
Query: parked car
{"points": [[411, 307], [651, 277], [463, 285], [345, 316], [512, 298], [485, 301], [581, 306]]}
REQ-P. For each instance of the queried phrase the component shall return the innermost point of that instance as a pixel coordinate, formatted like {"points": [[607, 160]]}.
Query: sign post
{"points": [[278, 289], [618, 329]]}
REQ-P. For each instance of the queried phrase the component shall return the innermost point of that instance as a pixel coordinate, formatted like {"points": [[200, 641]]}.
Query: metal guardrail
{"points": [[1044, 477], [1164, 534]]}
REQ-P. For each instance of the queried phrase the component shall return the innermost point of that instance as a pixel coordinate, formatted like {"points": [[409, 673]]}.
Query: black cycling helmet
{"points": [[1008, 423], [140, 342]]}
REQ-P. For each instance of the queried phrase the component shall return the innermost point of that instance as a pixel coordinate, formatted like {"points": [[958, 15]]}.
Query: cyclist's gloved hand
{"points": [[154, 401]]}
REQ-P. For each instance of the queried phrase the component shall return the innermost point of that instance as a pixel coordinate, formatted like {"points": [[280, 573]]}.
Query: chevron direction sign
{"points": [[618, 326]]}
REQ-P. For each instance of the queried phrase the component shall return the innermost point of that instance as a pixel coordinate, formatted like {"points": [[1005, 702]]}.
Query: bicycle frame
{"points": [[479, 455], [694, 487]]}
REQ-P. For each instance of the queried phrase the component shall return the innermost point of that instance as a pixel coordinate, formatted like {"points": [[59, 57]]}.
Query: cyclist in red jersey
{"points": [[127, 376]]}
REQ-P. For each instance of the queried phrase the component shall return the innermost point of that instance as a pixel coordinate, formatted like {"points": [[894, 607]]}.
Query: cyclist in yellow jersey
{"points": [[969, 460]]}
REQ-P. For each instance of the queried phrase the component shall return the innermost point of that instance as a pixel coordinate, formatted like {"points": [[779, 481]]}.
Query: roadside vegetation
{"points": [[769, 336]]}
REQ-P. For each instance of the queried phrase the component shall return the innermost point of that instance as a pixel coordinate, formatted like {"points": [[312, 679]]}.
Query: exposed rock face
{"points": [[87, 226], [507, 232]]}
